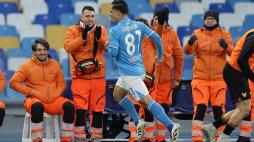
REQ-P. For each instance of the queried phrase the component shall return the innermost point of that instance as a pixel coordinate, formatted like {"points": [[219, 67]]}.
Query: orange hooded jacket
{"points": [[42, 80], [173, 55], [75, 45], [209, 57], [2, 81]]}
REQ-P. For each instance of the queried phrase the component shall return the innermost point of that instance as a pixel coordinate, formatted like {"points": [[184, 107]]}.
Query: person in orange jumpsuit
{"points": [[236, 74], [2, 104], [149, 53], [246, 124], [169, 71], [209, 45], [85, 42], [41, 80]]}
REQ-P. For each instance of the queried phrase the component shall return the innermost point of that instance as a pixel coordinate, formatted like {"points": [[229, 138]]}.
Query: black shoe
{"points": [[243, 139]]}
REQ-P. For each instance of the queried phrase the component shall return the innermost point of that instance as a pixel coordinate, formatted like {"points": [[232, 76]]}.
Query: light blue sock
{"points": [[158, 111], [128, 106]]}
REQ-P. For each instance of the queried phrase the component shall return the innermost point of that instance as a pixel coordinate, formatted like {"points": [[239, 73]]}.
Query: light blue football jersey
{"points": [[125, 44]]}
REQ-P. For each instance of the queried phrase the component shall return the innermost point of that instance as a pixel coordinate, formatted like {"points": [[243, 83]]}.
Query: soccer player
{"points": [[125, 45], [236, 74]]}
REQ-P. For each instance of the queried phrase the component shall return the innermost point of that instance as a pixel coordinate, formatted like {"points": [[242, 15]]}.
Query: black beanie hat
{"points": [[162, 10], [213, 14]]}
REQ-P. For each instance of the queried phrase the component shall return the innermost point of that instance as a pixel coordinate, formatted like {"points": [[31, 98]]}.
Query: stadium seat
{"points": [[35, 31], [18, 20], [184, 31], [26, 43], [58, 7], [46, 20], [2, 19], [248, 21], [63, 55], [139, 7], [53, 53], [197, 20], [154, 2], [173, 8], [100, 2], [244, 8], [221, 7], [78, 6], [206, 3], [69, 19], [191, 8], [178, 19], [3, 66], [233, 2], [105, 8], [15, 57], [6, 30], [236, 32], [187, 67], [55, 35], [228, 20], [103, 20], [33, 8], [8, 7], [10, 93], [9, 42]]}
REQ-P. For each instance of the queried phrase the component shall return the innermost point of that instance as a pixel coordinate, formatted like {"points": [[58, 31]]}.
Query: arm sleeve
{"points": [[17, 80], [146, 31], [113, 44], [178, 58], [72, 43], [60, 82], [2, 81], [245, 54]]}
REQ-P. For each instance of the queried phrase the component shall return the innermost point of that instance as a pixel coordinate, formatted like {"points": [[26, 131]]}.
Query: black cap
{"points": [[163, 10], [213, 14]]}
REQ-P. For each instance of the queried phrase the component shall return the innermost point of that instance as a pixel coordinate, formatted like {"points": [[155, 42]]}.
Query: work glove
{"points": [[223, 43], [192, 40]]}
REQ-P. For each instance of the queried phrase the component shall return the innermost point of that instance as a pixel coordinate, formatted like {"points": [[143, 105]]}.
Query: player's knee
{"points": [[80, 117], [200, 112], [97, 120], [69, 111], [165, 107], [148, 116], [37, 111], [217, 112], [2, 114]]}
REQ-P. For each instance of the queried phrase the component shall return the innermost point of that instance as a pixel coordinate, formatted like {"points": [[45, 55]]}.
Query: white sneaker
{"points": [[223, 138], [209, 130], [174, 135], [140, 130]]}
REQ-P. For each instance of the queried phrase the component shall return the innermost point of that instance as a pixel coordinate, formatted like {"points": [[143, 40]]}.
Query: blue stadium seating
{"points": [[183, 31], [26, 43], [8, 7], [6, 30], [10, 93], [248, 22], [139, 7], [58, 7], [236, 32], [46, 20], [67, 91], [52, 52], [69, 19], [221, 7], [232, 2], [173, 8], [65, 64], [197, 20], [3, 66], [187, 67]]}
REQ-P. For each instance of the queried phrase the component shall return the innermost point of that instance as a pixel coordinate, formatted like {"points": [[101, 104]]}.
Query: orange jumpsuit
{"points": [[44, 83], [89, 89], [246, 126], [208, 84], [173, 62], [2, 86]]}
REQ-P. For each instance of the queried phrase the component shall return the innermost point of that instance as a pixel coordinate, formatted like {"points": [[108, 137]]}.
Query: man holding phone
{"points": [[85, 43]]}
